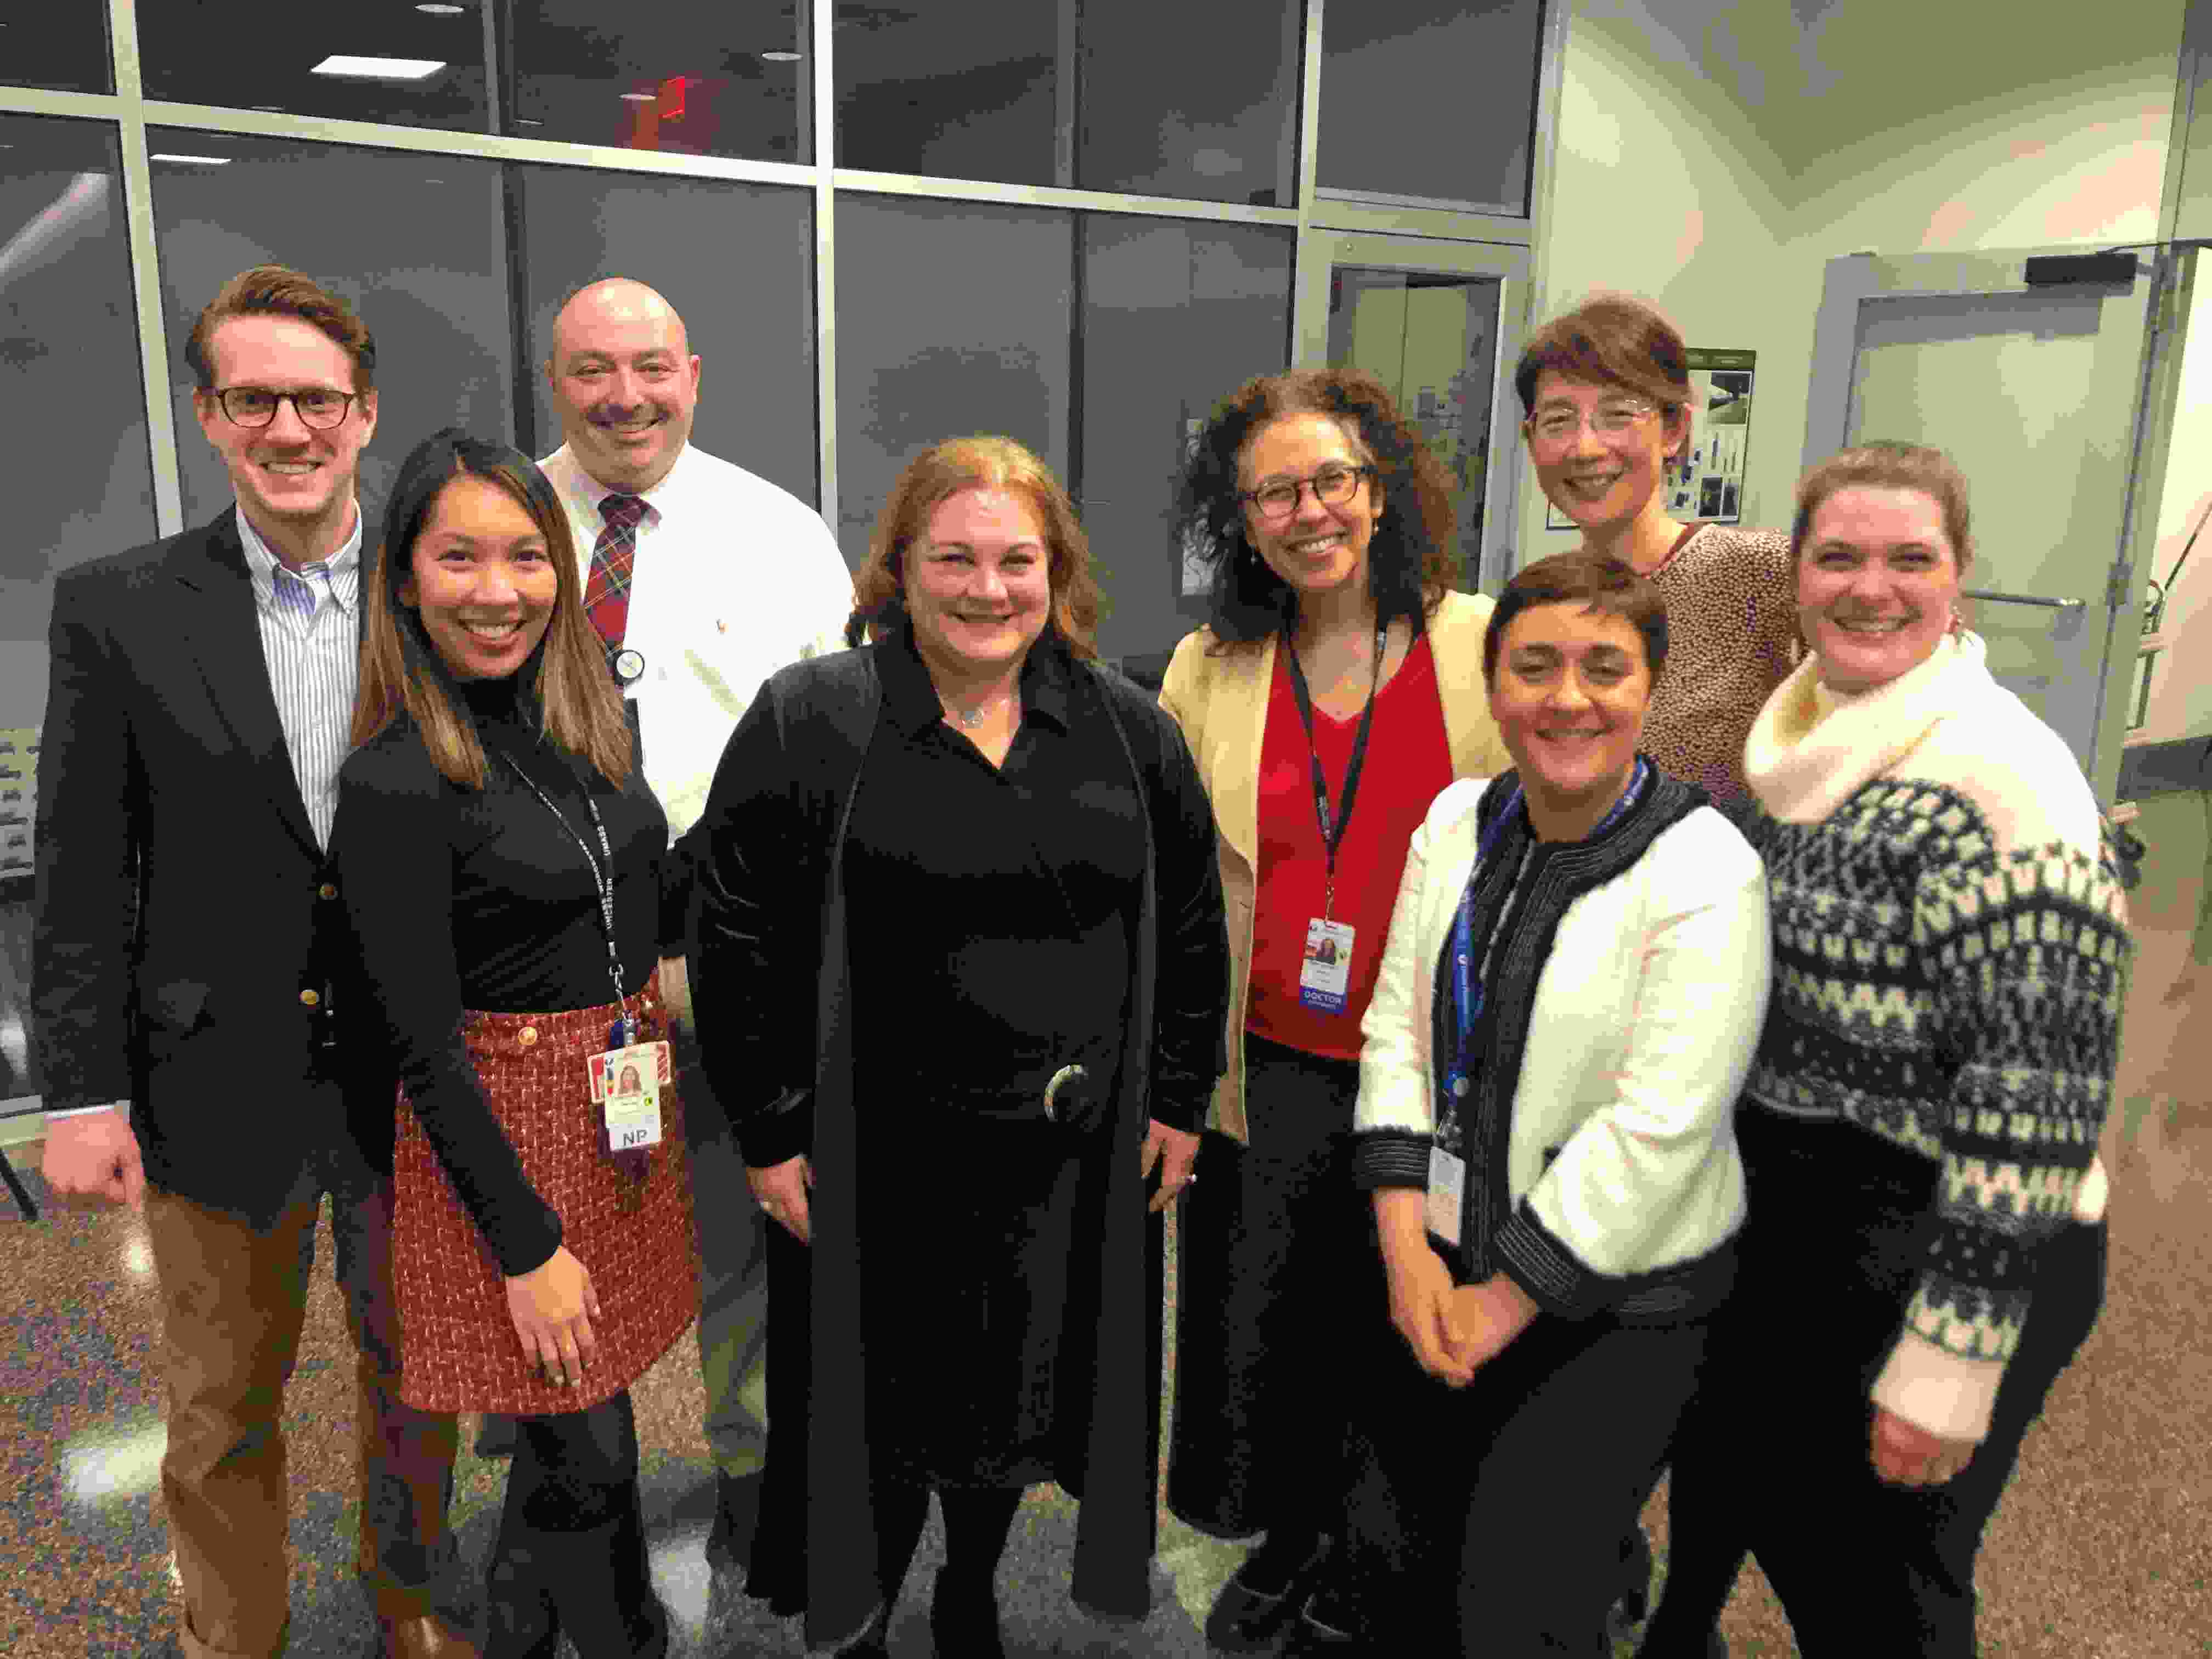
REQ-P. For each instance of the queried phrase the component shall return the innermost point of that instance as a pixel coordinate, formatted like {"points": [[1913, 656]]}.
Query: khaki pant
{"points": [[233, 1298]]}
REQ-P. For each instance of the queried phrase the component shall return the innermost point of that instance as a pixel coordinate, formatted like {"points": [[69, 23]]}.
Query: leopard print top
{"points": [[1732, 637]]}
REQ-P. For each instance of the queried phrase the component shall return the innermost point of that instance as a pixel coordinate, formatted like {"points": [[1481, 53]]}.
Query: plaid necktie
{"points": [[606, 595]]}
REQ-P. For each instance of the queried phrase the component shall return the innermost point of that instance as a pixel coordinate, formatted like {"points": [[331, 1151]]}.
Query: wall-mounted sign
{"points": [[1708, 485]]}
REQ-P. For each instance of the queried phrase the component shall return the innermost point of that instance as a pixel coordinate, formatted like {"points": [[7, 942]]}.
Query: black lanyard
{"points": [[603, 878], [1333, 824]]}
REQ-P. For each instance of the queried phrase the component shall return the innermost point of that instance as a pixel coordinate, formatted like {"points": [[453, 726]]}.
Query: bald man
{"points": [[703, 580]]}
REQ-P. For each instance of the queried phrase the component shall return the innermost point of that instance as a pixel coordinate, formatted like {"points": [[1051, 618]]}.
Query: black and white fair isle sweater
{"points": [[1951, 956]]}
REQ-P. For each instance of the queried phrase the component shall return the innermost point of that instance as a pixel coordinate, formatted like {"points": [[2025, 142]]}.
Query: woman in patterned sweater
{"points": [[1926, 1248], [1606, 388]]}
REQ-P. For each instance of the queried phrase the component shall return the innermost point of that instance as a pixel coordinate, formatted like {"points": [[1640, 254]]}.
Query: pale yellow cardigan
{"points": [[1221, 703]]}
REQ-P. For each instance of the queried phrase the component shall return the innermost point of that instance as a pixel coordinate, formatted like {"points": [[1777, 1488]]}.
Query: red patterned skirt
{"points": [[628, 1221]]}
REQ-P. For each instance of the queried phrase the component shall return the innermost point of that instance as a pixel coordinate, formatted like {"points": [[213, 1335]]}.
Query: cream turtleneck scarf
{"points": [[1812, 747]]}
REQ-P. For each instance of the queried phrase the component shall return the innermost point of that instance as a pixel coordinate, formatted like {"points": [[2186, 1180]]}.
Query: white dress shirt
{"points": [[734, 578]]}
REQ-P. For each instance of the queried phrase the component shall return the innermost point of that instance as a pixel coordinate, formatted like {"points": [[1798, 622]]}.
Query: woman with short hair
{"points": [[1574, 981], [1609, 409], [1926, 1248], [962, 968]]}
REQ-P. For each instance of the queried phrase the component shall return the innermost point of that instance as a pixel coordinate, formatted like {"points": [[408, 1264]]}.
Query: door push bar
{"points": [[2023, 599]]}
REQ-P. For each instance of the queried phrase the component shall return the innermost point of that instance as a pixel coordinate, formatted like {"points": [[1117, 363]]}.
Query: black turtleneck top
{"points": [[461, 899]]}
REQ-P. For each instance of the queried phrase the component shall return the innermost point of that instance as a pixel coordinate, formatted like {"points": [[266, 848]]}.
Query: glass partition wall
{"points": [[885, 222]]}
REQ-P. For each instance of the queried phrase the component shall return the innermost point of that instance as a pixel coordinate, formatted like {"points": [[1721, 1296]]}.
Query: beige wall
{"points": [[2181, 675], [1717, 160]]}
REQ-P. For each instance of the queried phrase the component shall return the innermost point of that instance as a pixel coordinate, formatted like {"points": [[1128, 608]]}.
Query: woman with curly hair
{"points": [[1335, 692]]}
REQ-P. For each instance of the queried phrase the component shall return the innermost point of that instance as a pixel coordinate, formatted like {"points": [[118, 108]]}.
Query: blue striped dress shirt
{"points": [[311, 640]]}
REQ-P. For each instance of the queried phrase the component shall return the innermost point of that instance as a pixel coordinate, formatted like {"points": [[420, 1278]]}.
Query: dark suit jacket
{"points": [[187, 926]]}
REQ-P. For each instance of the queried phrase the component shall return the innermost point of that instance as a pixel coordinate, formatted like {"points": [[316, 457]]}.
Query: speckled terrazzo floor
{"points": [[2101, 1550]]}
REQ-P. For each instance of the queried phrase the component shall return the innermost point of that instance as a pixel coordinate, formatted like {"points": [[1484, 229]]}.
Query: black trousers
{"points": [[570, 1555], [1772, 1456], [1490, 1511], [1275, 1256]]}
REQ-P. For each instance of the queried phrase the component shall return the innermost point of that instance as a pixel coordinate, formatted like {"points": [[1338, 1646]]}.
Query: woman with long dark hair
{"points": [[501, 859]]}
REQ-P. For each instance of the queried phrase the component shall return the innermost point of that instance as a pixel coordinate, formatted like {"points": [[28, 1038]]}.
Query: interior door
{"points": [[1439, 322], [2035, 388]]}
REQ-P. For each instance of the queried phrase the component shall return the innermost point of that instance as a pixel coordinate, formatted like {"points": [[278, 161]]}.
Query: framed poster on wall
{"points": [[1194, 572], [1708, 485]]}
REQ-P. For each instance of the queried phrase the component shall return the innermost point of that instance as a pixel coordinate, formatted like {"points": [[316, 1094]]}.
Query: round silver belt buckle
{"points": [[1065, 1074]]}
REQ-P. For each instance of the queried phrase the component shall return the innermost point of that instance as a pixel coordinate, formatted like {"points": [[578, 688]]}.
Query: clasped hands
{"points": [[1453, 1331]]}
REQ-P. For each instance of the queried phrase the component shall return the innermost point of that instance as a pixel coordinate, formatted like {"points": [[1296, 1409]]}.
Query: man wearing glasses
{"points": [[177, 949]]}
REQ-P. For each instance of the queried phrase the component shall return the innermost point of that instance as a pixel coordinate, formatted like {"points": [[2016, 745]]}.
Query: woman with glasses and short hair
{"points": [[1336, 690], [1606, 390]]}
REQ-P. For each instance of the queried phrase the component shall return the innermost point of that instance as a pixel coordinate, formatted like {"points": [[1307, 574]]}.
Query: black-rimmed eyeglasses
{"points": [[253, 405], [1333, 486]]}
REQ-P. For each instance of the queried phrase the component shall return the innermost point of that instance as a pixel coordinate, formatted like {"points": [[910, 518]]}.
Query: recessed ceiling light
{"points": [[640, 97], [525, 121], [780, 56], [203, 160], [442, 11], [380, 69]]}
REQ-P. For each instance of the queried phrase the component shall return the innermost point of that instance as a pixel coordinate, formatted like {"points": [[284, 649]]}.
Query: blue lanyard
{"points": [[1470, 996]]}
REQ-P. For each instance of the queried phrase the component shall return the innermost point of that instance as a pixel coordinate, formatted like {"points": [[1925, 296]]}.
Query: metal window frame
{"points": [[1318, 219]]}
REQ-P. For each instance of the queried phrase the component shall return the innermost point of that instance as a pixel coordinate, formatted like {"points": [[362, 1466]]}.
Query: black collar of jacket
{"points": [[910, 700]]}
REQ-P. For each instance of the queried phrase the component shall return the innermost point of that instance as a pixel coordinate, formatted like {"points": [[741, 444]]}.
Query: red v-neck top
{"points": [[1408, 765]]}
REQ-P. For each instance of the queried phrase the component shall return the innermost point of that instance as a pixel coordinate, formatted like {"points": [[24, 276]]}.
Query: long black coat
{"points": [[773, 917]]}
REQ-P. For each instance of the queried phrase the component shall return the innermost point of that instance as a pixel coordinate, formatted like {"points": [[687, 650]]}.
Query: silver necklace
{"points": [[971, 719]]}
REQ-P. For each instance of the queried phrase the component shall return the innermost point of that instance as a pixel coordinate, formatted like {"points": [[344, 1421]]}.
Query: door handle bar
{"points": [[2022, 598]]}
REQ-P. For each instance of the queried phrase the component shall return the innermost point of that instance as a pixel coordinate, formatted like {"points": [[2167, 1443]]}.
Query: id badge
{"points": [[1325, 975], [1447, 1193], [627, 1084], [610, 1072]]}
